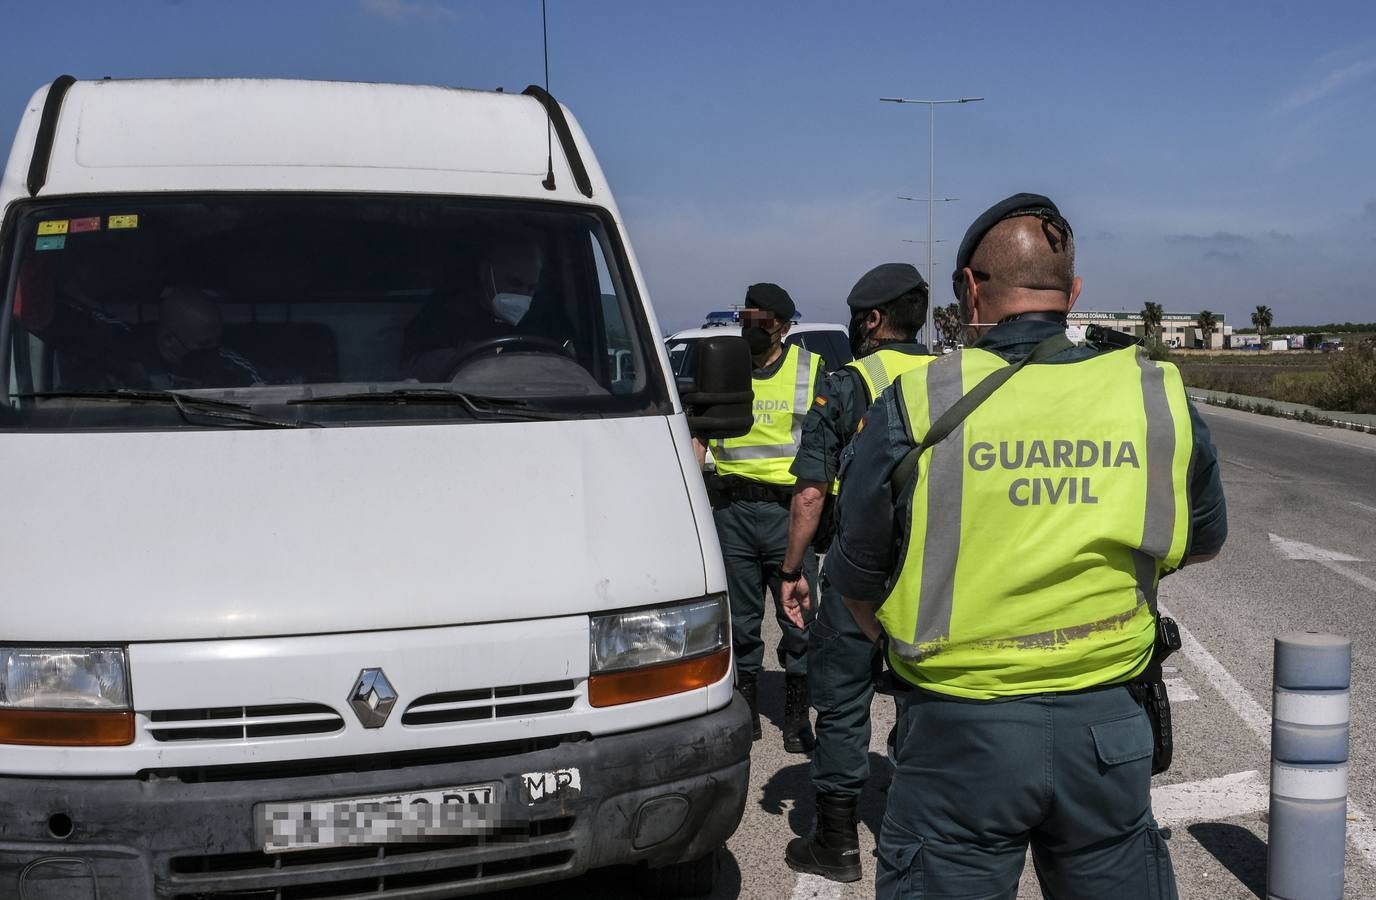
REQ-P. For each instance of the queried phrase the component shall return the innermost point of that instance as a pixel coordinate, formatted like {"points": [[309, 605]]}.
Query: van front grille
{"points": [[491, 703], [346, 765], [242, 723]]}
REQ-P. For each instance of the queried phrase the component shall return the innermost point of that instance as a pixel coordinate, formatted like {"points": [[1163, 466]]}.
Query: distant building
{"points": [[1177, 329]]}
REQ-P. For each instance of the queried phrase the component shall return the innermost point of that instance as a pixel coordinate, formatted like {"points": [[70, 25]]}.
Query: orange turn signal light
{"points": [[66, 728], [658, 681]]}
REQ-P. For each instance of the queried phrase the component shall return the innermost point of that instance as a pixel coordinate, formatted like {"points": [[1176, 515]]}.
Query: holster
{"points": [[716, 494], [886, 681], [1149, 689]]}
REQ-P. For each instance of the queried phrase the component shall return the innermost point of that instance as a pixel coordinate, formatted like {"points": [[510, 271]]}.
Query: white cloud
{"points": [[1332, 81], [414, 10]]}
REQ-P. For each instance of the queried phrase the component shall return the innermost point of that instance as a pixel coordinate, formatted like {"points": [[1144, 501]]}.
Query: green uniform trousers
{"points": [[842, 663], [753, 536], [977, 781]]}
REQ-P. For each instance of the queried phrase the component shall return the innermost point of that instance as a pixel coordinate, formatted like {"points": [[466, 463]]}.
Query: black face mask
{"points": [[757, 338], [859, 335]]}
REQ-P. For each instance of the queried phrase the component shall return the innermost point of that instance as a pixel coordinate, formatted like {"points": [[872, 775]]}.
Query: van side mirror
{"points": [[720, 399]]}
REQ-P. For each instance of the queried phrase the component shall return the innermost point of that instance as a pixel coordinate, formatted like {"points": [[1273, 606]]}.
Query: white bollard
{"points": [[1309, 745]]}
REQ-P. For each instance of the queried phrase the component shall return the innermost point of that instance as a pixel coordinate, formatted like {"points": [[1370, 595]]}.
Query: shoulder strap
{"points": [[952, 418]]}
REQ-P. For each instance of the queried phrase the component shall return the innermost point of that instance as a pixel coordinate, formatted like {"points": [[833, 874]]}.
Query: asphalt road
{"points": [[1284, 482]]}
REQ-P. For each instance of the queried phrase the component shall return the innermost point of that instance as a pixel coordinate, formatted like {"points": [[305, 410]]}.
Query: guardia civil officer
{"points": [[751, 491], [1013, 556], [888, 305]]}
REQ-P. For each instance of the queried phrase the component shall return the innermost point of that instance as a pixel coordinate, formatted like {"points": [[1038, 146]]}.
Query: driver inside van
{"points": [[471, 311], [100, 352]]}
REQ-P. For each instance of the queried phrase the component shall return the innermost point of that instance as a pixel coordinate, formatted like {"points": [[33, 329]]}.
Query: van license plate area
{"points": [[393, 818]]}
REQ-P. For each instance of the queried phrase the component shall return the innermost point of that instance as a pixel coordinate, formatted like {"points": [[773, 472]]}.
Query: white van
{"points": [[353, 539], [827, 339]]}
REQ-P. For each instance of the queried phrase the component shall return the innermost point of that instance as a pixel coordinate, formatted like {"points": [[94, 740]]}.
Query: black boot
{"points": [[745, 683], [833, 851], [797, 725]]}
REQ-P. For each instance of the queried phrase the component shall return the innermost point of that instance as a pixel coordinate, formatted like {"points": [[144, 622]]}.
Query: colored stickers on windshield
{"points": [[51, 241], [90, 223], [129, 221], [53, 226]]}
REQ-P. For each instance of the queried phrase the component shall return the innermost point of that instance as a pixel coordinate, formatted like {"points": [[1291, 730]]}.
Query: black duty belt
{"points": [[734, 487]]}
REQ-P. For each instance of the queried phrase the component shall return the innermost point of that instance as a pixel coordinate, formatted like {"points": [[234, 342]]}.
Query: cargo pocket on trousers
{"points": [[821, 660], [900, 874], [1123, 740]]}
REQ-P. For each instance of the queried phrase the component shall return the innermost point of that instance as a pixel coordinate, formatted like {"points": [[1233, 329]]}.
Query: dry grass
{"points": [[1339, 381]]}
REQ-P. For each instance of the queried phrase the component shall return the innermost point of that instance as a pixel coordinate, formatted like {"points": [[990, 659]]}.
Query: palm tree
{"points": [[1208, 322], [1262, 320], [1151, 319], [947, 319]]}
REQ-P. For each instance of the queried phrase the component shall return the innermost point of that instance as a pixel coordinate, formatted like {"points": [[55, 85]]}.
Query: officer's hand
{"points": [[796, 597]]}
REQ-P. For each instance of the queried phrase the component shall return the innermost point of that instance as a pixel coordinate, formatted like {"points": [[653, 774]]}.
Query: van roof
{"points": [[190, 134]]}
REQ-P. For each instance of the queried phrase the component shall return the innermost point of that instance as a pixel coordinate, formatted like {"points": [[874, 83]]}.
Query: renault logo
{"points": [[372, 698]]}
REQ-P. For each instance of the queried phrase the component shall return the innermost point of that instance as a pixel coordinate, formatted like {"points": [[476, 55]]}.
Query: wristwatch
{"points": [[789, 576]]}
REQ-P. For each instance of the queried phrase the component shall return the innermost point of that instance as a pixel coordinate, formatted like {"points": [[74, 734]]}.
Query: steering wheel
{"points": [[492, 345]]}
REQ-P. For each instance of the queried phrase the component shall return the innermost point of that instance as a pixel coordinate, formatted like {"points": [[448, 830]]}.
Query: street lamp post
{"points": [[929, 274], [931, 177], [931, 266]]}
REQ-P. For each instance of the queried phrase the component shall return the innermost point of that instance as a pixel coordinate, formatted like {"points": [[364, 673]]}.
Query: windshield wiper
{"points": [[187, 405], [476, 404]]}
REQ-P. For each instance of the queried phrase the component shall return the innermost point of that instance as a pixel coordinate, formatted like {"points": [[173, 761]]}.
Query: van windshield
{"points": [[241, 310]]}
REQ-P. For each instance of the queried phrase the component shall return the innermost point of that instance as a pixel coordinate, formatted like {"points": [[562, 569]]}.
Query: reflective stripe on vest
{"points": [[877, 371], [882, 367], [1040, 527], [781, 403]]}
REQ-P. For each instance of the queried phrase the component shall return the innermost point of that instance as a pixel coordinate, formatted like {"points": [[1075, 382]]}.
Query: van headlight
{"points": [[65, 696], [646, 653]]}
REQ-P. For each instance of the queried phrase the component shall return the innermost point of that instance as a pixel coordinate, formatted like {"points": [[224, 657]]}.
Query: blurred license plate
{"points": [[393, 818]]}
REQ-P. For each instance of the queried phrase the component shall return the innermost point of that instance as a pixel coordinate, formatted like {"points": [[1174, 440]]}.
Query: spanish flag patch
{"points": [[819, 400]]}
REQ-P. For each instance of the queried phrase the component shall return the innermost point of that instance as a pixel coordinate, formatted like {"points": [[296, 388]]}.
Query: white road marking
{"points": [[1370, 509], [1351, 575], [815, 887], [1179, 690], [1233, 693], [1292, 549], [1361, 830], [1211, 799], [1329, 559]]}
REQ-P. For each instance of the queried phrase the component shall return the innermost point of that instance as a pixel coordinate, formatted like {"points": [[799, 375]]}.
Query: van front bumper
{"points": [[657, 796]]}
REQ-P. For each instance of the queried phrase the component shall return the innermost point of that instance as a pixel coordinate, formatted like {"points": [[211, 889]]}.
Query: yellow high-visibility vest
{"points": [[766, 452], [1041, 526], [878, 370]]}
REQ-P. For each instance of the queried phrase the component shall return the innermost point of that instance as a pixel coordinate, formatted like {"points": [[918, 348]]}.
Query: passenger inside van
{"points": [[101, 352]]}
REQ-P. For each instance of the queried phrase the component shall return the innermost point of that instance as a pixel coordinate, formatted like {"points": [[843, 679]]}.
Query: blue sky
{"points": [[1209, 155]]}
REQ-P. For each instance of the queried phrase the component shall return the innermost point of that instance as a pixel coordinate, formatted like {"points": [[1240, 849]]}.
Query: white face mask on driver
{"points": [[511, 308]]}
